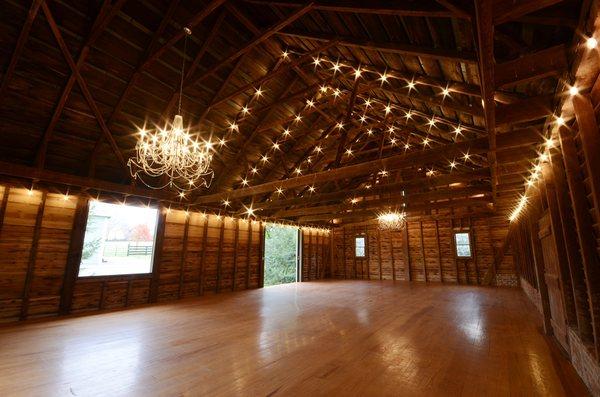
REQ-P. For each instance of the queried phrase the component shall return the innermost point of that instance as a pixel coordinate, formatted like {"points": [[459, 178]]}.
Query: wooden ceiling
{"points": [[80, 78]]}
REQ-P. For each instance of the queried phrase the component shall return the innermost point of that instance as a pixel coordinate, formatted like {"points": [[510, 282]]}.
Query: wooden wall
{"points": [[196, 254], [424, 251], [556, 239]]}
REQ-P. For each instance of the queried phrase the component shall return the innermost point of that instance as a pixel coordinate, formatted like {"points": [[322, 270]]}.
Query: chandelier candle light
{"points": [[172, 158], [392, 220]]}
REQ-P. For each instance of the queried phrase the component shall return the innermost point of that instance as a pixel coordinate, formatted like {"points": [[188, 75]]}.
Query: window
{"points": [[463, 244], [119, 239], [360, 249]]}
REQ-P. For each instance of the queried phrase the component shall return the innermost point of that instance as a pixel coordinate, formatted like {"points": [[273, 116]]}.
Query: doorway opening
{"points": [[281, 255]]}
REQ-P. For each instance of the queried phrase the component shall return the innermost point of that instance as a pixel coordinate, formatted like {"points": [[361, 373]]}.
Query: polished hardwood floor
{"points": [[348, 338]]}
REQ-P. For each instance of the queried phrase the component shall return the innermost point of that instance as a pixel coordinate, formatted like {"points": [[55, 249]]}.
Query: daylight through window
{"points": [[119, 239], [463, 245], [359, 244]]}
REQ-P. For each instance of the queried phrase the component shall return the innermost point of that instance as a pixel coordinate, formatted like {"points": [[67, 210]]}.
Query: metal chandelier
{"points": [[172, 157]]}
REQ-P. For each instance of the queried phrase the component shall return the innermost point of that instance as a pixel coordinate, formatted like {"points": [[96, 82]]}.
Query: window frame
{"points": [[363, 236], [156, 244], [468, 233]]}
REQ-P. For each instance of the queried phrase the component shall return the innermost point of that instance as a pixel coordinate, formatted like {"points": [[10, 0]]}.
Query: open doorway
{"points": [[281, 255]]}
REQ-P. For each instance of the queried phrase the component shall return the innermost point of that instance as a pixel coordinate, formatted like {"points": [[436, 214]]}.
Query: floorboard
{"points": [[358, 338]]}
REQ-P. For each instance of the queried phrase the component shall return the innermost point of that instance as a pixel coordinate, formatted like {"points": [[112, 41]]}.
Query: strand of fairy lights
{"points": [[535, 175]]}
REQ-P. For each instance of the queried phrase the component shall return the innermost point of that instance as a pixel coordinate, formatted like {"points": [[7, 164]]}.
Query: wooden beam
{"points": [[158, 251], [360, 7], [184, 250], [396, 187], [589, 134], [236, 239], [3, 204], [248, 254], [508, 10], [411, 209], [416, 158], [106, 14], [574, 259], [439, 250], [261, 251], [396, 200], [33, 173], [548, 62], [526, 110], [201, 271], [538, 259], [35, 241], [252, 44], [220, 257], [74, 254], [485, 38], [406, 251], [389, 47], [191, 23], [584, 228], [423, 251], [16, 55], [83, 86]]}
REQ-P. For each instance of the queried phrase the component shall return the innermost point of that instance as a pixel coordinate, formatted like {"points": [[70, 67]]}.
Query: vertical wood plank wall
{"points": [[199, 254], [427, 256], [569, 195]]}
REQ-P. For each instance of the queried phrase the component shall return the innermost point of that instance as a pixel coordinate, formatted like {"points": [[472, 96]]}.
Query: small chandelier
{"points": [[171, 157], [391, 220]]}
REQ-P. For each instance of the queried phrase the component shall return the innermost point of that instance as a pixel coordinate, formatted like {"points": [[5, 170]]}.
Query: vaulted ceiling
{"points": [[446, 113]]}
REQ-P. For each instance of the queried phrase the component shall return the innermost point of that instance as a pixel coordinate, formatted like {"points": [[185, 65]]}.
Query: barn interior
{"points": [[334, 197]]}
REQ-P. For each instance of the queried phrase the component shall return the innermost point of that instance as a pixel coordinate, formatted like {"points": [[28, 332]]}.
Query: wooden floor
{"points": [[363, 338]]}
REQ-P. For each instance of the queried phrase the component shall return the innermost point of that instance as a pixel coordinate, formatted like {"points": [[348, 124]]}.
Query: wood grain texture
{"points": [[320, 338]]}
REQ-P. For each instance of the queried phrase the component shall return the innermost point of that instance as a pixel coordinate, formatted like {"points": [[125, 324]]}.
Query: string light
{"points": [[264, 158], [410, 85], [258, 92], [279, 191], [573, 90], [226, 203], [560, 120], [286, 132], [316, 61], [549, 143], [311, 189], [391, 220], [245, 110], [244, 182], [591, 43], [357, 73], [254, 170]]}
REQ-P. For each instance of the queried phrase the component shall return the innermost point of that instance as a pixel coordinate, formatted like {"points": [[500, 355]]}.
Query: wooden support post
{"points": [[344, 252], [3, 205], [453, 243], [584, 228], [406, 251], [261, 251], [391, 236], [32, 256], [575, 268], [354, 255], [248, 254], [332, 256], [236, 239], [423, 252], [310, 258], [439, 251], [220, 257], [590, 143], [557, 236], [184, 248], [538, 260], [474, 254], [203, 257], [102, 295], [379, 253], [74, 255], [158, 249]]}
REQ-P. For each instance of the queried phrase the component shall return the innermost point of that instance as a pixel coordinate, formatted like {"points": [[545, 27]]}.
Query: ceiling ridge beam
{"points": [[474, 146], [390, 47]]}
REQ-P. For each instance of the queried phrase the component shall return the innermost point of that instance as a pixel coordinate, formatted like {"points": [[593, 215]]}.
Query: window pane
{"points": [[360, 246], [360, 251], [119, 239], [462, 238], [463, 250]]}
